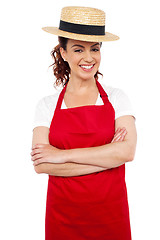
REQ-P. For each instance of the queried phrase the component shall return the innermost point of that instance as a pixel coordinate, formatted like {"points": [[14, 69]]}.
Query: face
{"points": [[83, 58]]}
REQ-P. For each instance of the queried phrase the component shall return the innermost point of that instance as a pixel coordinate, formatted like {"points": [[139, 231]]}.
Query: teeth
{"points": [[87, 67]]}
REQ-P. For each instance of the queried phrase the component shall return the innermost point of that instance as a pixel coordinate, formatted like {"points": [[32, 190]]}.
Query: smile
{"points": [[87, 67]]}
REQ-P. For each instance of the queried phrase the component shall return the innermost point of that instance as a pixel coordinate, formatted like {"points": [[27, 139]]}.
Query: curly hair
{"points": [[61, 69]]}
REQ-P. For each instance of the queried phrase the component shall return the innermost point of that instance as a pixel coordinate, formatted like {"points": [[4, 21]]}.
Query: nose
{"points": [[88, 56]]}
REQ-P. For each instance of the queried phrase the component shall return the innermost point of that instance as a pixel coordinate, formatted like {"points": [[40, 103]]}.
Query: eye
{"points": [[95, 49], [78, 50]]}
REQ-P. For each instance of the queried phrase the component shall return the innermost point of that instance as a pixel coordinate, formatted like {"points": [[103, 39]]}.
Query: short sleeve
{"points": [[122, 104], [41, 116]]}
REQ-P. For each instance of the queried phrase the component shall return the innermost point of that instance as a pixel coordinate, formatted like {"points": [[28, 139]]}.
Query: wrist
{"points": [[67, 155]]}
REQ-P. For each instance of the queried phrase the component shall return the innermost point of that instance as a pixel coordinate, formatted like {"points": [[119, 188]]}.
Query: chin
{"points": [[87, 76]]}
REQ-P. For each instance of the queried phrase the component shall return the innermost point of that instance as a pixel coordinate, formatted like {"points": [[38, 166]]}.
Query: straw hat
{"points": [[82, 23]]}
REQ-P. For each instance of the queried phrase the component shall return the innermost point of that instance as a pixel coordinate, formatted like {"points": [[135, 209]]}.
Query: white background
{"points": [[131, 63]]}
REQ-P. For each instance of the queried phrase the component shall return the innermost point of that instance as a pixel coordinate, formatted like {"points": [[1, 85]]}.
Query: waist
{"points": [[107, 185]]}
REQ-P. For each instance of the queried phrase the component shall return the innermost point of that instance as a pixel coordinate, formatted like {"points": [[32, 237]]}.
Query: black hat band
{"points": [[82, 29]]}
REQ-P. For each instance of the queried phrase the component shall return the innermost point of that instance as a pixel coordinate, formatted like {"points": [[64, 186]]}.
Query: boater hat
{"points": [[82, 23]]}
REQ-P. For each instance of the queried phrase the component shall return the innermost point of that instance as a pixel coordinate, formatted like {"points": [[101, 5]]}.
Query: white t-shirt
{"points": [[46, 106]]}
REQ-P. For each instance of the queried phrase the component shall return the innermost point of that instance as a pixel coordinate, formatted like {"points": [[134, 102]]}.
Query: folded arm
{"points": [[67, 169], [40, 135], [81, 161], [109, 155]]}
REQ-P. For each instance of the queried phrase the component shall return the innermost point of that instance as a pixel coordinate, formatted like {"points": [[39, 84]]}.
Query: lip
{"points": [[85, 69]]}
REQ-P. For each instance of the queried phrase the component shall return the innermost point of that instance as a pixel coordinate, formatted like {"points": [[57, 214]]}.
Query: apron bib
{"points": [[92, 206]]}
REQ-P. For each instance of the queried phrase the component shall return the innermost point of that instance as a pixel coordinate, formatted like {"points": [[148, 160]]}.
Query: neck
{"points": [[80, 86]]}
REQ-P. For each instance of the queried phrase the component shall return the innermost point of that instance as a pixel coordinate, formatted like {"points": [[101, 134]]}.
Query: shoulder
{"points": [[48, 101], [113, 92], [119, 100], [45, 109]]}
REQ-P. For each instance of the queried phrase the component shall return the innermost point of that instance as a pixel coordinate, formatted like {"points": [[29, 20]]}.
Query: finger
{"points": [[39, 161], [119, 131], [120, 138], [116, 133], [37, 146], [35, 151], [36, 157], [122, 131], [122, 134]]}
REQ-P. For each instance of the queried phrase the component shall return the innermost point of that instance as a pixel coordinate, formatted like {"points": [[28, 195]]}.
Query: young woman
{"points": [[83, 136]]}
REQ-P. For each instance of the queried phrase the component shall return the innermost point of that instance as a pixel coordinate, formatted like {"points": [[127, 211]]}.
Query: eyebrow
{"points": [[77, 45], [95, 44]]}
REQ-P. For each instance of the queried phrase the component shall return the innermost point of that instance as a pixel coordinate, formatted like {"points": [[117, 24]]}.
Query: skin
{"points": [[82, 90], [78, 54]]}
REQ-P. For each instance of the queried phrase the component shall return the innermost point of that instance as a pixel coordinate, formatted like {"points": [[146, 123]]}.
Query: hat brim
{"points": [[90, 38]]}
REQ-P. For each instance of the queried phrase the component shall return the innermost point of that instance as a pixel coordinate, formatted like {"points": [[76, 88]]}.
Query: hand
{"points": [[119, 135], [46, 153]]}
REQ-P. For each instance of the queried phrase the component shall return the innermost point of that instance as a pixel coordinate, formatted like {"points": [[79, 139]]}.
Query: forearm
{"points": [[67, 169], [109, 155]]}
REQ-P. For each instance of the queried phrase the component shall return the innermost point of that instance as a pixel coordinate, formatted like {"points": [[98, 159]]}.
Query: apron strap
{"points": [[102, 92], [60, 98]]}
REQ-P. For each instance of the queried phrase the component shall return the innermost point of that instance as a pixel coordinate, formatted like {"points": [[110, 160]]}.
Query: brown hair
{"points": [[61, 68]]}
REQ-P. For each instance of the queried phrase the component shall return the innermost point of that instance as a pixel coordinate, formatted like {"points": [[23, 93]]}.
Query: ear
{"points": [[63, 53]]}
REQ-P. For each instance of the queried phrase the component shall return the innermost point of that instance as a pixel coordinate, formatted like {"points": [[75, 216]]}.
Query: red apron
{"points": [[92, 206]]}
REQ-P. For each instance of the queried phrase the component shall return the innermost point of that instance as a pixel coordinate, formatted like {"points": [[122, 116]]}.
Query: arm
{"points": [[109, 155], [67, 169], [40, 135]]}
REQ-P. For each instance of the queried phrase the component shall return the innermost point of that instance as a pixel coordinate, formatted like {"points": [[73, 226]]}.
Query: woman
{"points": [[83, 136]]}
